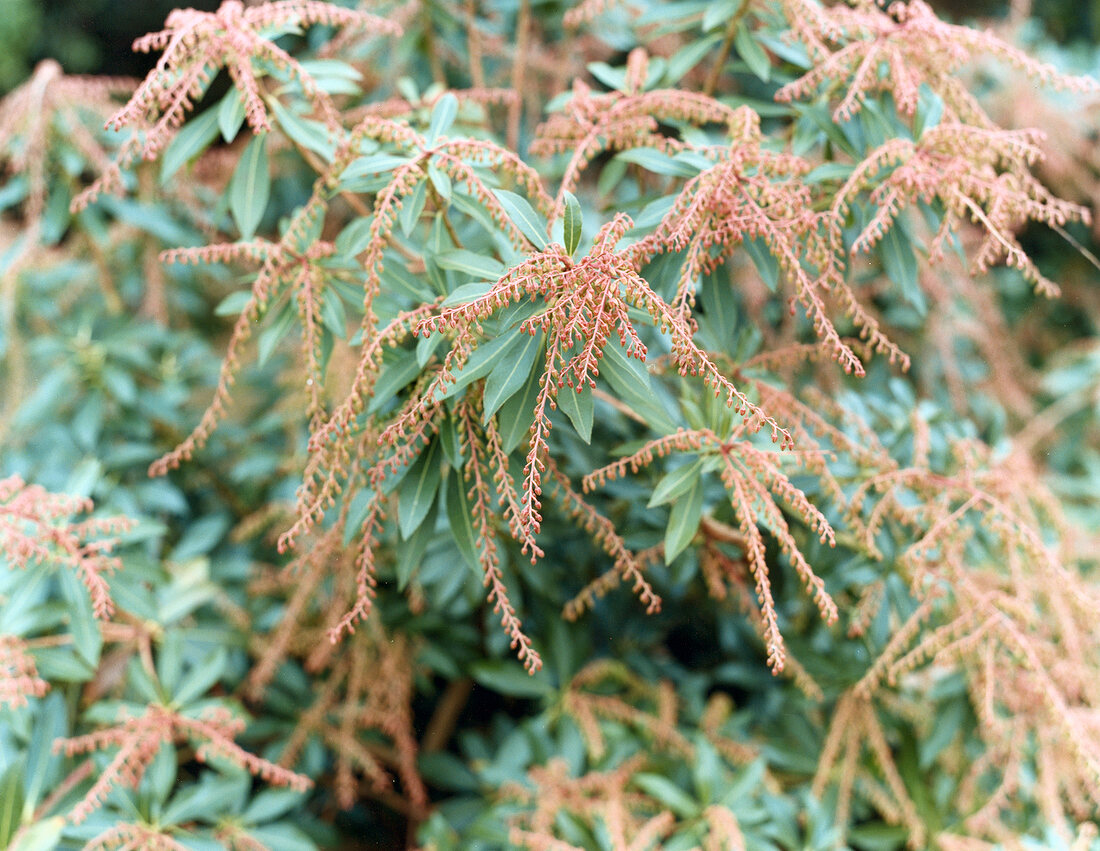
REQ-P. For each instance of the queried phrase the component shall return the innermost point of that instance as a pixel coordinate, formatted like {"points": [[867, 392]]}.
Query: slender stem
{"points": [[519, 71], [434, 59], [445, 716], [724, 51], [473, 40], [439, 205]]}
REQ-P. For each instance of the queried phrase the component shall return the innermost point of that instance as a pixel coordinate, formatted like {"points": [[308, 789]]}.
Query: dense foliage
{"points": [[623, 426]]}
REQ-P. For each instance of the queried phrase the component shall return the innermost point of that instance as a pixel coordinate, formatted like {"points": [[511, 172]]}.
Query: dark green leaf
{"points": [[510, 375], [250, 187], [477, 265], [676, 483], [191, 141], [462, 526], [683, 521], [667, 793], [749, 49], [508, 677], [418, 489], [765, 263], [518, 413], [633, 384], [201, 678], [900, 262]]}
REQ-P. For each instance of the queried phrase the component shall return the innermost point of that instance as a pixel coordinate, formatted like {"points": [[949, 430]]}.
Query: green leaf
{"points": [[443, 116], [632, 383], [410, 553], [41, 836], [285, 837], [613, 78], [11, 803], [676, 483], [484, 360], [687, 57], [333, 315], [440, 181], [749, 49], [412, 207], [508, 677], [658, 162], [476, 265], [192, 140], [572, 223], [270, 804], [201, 800], [765, 263], [41, 764], [718, 14], [369, 165], [399, 368], [579, 407], [273, 333], [311, 135], [418, 489], [87, 639], [467, 293], [462, 525], [521, 212], [667, 793], [231, 115], [250, 187], [510, 375], [518, 413], [900, 262], [683, 520], [201, 678], [233, 303]]}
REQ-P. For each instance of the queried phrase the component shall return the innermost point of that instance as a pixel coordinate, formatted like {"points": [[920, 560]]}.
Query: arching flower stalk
{"points": [[139, 738], [238, 38], [864, 50], [978, 175]]}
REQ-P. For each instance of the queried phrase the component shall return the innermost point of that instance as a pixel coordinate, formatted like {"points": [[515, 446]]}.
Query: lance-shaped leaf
{"points": [[683, 520], [418, 489], [521, 212], [510, 375], [572, 223], [250, 188]]}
